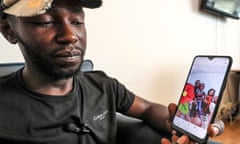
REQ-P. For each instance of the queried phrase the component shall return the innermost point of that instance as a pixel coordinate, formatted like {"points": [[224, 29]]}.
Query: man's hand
{"points": [[176, 140], [212, 130]]}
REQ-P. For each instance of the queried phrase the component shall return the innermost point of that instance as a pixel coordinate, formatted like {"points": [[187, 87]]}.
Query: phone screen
{"points": [[201, 95]]}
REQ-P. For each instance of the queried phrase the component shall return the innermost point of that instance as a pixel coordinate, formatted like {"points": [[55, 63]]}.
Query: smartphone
{"points": [[201, 96]]}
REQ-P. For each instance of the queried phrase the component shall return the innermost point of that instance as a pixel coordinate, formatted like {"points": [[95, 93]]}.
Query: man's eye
{"points": [[44, 23], [77, 23]]}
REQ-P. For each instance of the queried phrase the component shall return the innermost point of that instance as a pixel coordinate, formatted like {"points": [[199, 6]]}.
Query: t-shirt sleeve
{"points": [[124, 97], [116, 92]]}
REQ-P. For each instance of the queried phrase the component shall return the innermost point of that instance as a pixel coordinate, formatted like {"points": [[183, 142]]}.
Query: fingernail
{"points": [[174, 132]]}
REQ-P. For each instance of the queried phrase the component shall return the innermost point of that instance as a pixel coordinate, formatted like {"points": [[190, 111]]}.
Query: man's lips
{"points": [[68, 54], [68, 57]]}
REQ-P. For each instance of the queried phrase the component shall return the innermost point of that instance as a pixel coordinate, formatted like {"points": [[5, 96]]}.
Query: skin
{"points": [[59, 38], [53, 46]]}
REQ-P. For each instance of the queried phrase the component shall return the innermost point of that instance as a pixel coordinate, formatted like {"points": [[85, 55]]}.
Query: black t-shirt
{"points": [[32, 118]]}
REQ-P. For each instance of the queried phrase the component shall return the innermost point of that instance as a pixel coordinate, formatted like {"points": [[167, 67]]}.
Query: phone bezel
{"points": [[180, 130]]}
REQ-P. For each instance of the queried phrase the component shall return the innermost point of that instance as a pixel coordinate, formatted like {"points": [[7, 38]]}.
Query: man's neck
{"points": [[43, 84]]}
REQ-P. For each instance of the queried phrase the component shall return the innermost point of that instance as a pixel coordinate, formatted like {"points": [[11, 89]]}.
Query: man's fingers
{"points": [[165, 141], [172, 109], [183, 140], [213, 131], [174, 136], [216, 128]]}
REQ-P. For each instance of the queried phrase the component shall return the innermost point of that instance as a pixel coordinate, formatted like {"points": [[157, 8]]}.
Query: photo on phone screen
{"points": [[201, 95]]}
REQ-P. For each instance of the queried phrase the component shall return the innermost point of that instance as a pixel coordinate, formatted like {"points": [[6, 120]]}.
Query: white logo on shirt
{"points": [[100, 116]]}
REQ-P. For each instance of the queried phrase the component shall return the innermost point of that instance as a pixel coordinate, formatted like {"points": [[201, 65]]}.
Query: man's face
{"points": [[54, 42]]}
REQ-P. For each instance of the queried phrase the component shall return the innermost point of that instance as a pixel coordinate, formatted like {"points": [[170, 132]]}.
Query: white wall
{"points": [[149, 45]]}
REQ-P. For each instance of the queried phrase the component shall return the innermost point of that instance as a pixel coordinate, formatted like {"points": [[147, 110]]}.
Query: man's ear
{"points": [[7, 31]]}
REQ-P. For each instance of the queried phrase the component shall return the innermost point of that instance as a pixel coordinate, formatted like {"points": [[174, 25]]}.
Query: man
{"points": [[49, 98]]}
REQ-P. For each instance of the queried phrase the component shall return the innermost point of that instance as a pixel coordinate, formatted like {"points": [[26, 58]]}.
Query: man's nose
{"points": [[67, 34]]}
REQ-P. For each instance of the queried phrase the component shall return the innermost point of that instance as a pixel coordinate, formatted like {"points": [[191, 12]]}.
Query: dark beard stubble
{"points": [[43, 63]]}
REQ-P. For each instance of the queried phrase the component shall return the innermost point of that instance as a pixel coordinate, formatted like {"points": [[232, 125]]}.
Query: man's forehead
{"points": [[28, 8]]}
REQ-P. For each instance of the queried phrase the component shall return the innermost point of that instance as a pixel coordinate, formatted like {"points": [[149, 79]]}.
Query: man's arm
{"points": [[156, 115], [159, 117]]}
